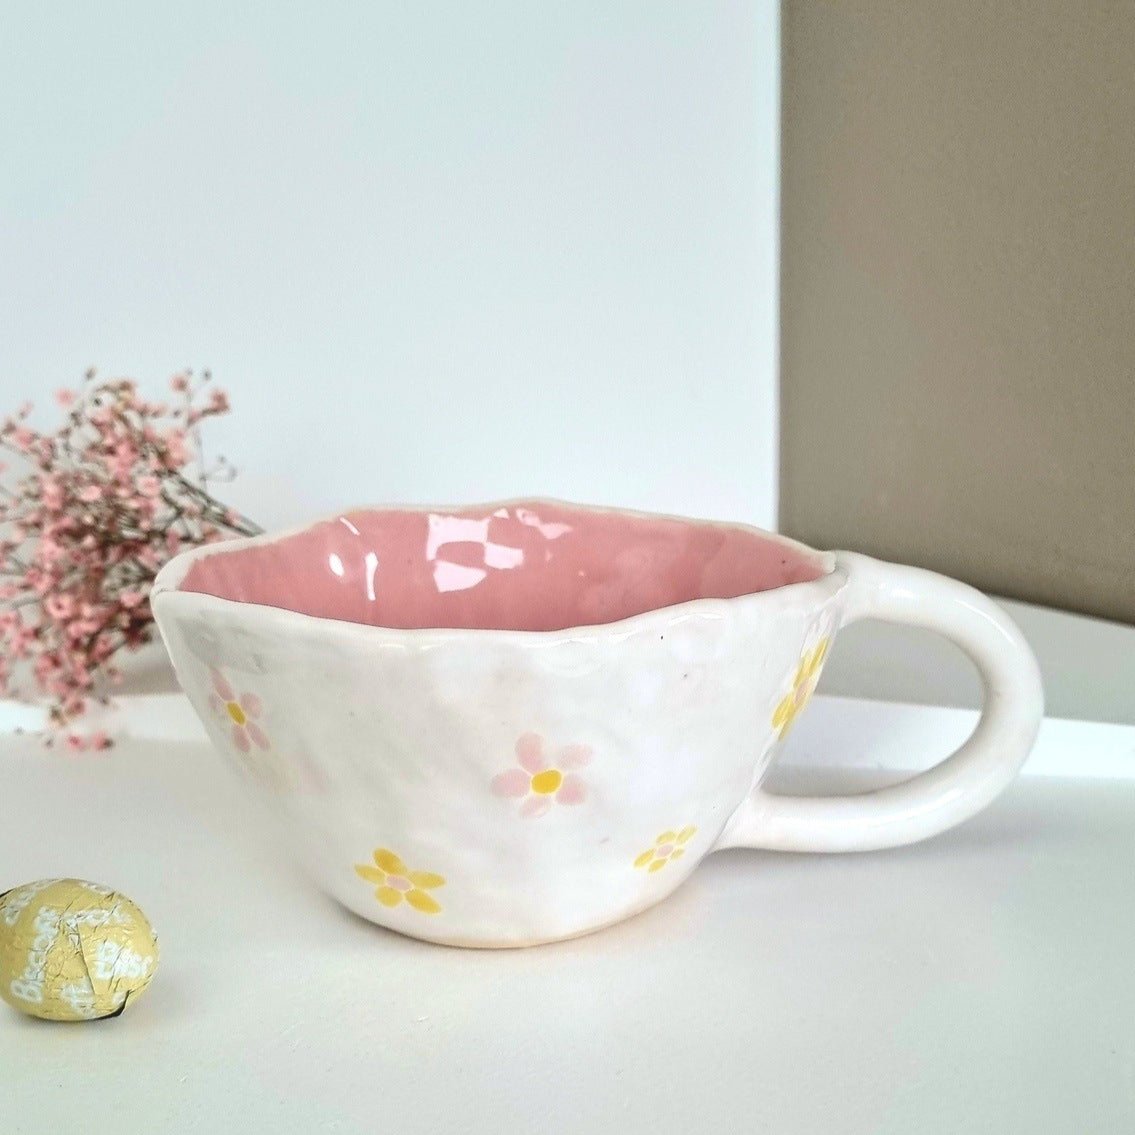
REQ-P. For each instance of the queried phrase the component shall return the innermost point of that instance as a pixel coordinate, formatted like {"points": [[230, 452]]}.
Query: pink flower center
{"points": [[664, 850], [399, 883], [547, 782], [235, 712]]}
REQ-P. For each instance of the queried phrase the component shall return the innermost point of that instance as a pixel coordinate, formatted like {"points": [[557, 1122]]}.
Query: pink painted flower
{"points": [[239, 711], [539, 781], [65, 397]]}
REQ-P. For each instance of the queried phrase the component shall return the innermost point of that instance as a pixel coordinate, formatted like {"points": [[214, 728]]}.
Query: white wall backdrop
{"points": [[434, 252]]}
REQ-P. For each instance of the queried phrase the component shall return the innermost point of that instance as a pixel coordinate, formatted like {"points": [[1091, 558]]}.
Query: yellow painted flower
{"points": [[396, 882], [668, 846], [803, 683]]}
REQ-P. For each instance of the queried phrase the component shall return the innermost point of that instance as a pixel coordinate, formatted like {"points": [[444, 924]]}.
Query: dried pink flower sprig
{"points": [[98, 507]]}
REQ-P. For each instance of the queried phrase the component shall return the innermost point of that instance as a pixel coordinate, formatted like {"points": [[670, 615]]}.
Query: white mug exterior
{"points": [[505, 788]]}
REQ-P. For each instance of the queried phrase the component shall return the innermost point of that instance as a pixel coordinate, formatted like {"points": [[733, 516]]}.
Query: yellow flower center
{"points": [[547, 781], [235, 712]]}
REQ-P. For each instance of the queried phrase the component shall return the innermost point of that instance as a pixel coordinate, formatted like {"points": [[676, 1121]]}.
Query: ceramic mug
{"points": [[520, 722]]}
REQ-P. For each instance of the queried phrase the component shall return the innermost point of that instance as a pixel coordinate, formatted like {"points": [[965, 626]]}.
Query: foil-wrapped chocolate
{"points": [[73, 951]]}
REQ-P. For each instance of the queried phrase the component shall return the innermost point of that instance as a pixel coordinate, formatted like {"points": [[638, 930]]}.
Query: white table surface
{"points": [[981, 982]]}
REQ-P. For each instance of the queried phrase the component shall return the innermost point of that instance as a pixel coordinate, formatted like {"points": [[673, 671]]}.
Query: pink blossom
{"points": [[50, 551], [22, 639], [59, 606], [177, 453], [73, 704], [81, 575], [52, 492], [79, 629]]}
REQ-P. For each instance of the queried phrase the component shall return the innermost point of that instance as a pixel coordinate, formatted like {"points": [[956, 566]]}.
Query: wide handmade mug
{"points": [[512, 723]]}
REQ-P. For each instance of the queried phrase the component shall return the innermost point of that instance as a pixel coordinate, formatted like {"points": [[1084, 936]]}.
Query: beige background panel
{"points": [[958, 292]]}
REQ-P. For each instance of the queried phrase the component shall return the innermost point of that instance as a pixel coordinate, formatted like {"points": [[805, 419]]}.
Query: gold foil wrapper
{"points": [[73, 951]]}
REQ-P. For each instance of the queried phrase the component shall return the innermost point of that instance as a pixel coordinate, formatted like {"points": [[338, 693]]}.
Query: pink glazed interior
{"points": [[527, 567]]}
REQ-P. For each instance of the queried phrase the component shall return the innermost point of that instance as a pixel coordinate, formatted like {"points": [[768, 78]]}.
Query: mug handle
{"points": [[964, 783]]}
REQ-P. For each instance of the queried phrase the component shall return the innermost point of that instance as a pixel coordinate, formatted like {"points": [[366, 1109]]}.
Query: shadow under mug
{"points": [[513, 723]]}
